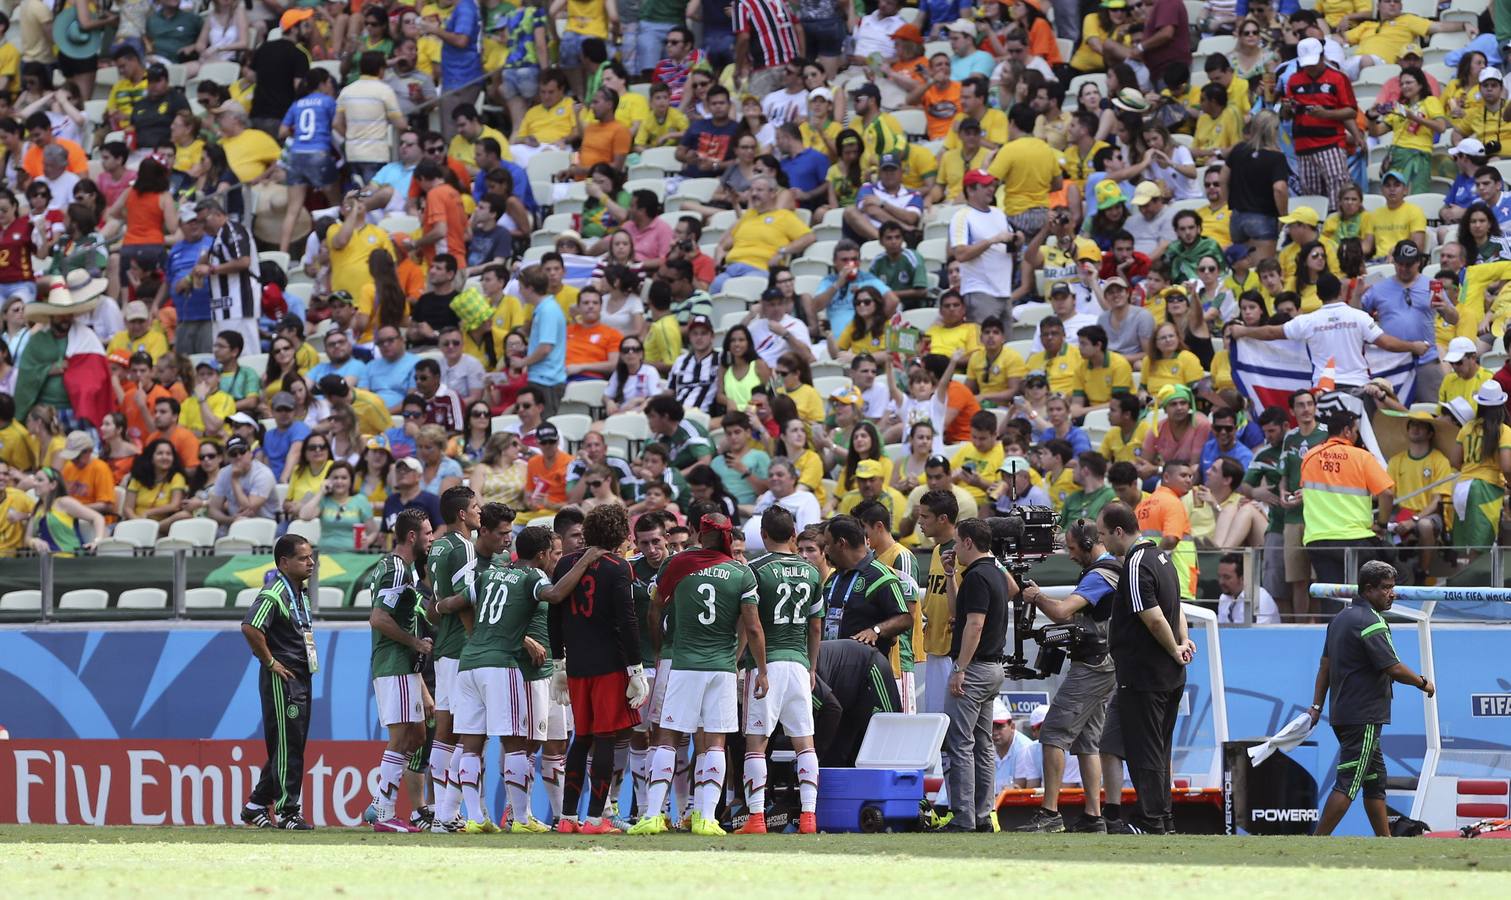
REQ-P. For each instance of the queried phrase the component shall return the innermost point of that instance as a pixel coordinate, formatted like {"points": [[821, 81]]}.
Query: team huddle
{"points": [[634, 658]]}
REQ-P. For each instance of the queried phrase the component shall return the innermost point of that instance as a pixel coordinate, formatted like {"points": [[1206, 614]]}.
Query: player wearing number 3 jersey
{"points": [[792, 620], [713, 603]]}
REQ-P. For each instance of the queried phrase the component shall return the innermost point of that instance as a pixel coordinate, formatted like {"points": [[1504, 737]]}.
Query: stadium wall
{"points": [[157, 726]]}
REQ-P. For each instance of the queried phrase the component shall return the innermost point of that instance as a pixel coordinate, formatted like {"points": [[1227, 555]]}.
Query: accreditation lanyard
{"points": [[303, 619]]}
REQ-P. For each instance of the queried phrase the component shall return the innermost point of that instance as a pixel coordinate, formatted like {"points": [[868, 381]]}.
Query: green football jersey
{"points": [[453, 564], [504, 601], [668, 624], [644, 573], [788, 589], [392, 582], [706, 608], [1292, 448], [1265, 471]]}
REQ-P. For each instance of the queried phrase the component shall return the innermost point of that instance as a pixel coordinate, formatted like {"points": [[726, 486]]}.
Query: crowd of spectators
{"points": [[323, 263]]}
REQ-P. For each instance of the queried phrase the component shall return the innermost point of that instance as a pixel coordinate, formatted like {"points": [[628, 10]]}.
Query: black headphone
{"points": [[1085, 534]]}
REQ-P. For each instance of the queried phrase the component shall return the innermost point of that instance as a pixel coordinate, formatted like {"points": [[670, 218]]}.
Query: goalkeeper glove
{"points": [[639, 689], [559, 693]]}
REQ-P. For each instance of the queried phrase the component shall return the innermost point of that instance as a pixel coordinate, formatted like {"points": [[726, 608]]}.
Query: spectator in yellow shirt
{"points": [[552, 121], [994, 370], [665, 125], [975, 464], [1394, 222], [469, 130], [138, 336], [952, 332], [1218, 128], [1102, 372], [1467, 374], [1058, 360]]}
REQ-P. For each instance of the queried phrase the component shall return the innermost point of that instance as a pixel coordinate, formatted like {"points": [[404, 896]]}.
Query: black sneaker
{"points": [[256, 817], [422, 818], [294, 822], [1045, 821], [1118, 826], [1089, 825]]}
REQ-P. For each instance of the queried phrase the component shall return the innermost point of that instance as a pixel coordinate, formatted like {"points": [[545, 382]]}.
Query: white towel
{"points": [[1294, 732]]}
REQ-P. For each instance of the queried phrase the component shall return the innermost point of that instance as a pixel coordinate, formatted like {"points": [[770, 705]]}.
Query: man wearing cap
{"points": [[966, 59], [969, 154], [1013, 747], [1468, 156], [1406, 307], [408, 493], [138, 336], [880, 132], [693, 377], [1382, 228], [1424, 480], [776, 331], [86, 477], [983, 241], [245, 487], [1320, 100], [1339, 479], [1152, 227], [1484, 119], [191, 295], [1466, 374], [279, 65], [153, 112], [885, 200], [1029, 170], [1072, 724], [546, 471], [870, 484], [283, 444]]}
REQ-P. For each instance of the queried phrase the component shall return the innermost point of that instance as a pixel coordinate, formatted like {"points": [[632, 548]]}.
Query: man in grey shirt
{"points": [[1129, 328], [245, 487], [461, 371], [1152, 223]]}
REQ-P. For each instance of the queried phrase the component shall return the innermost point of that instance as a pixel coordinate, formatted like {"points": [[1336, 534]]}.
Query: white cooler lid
{"points": [[902, 741]]}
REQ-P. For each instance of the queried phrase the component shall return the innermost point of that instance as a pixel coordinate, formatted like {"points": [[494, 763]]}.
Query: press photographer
{"points": [[1079, 708]]}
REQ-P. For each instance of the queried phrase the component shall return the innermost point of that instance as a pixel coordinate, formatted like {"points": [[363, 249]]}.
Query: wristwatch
{"points": [[1316, 706], [877, 629]]}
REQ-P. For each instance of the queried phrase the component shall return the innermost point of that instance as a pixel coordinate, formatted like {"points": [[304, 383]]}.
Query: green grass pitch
{"points": [[52, 861]]}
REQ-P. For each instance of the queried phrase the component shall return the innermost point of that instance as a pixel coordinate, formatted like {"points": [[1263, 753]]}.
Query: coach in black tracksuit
{"points": [[1150, 651], [280, 632]]}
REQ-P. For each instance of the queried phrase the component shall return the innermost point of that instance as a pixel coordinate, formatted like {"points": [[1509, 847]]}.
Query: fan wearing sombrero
{"points": [[64, 363]]}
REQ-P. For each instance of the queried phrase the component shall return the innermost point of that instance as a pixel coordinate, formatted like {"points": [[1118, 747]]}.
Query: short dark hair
{"points": [[1093, 462], [942, 504], [647, 524], [372, 62], [1119, 516], [287, 546], [1273, 415], [777, 524], [1096, 334], [1232, 559], [847, 530], [984, 420], [1022, 117], [234, 340], [454, 502], [566, 517], [1122, 472], [977, 532], [1061, 448], [172, 403], [665, 405], [1373, 574], [870, 512], [410, 521], [428, 365], [532, 541]]}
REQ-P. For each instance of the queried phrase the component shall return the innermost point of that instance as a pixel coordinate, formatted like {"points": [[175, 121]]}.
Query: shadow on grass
{"points": [[1188, 850]]}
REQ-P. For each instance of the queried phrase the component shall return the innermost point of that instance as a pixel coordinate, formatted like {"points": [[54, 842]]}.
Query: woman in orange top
{"points": [[1041, 35], [150, 217]]}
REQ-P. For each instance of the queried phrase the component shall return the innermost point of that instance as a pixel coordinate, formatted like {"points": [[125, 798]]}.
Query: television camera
{"points": [[1022, 537]]}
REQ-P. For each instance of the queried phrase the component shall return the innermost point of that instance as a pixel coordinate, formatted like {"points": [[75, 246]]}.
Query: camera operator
{"points": [[1150, 651], [1079, 708], [979, 608]]}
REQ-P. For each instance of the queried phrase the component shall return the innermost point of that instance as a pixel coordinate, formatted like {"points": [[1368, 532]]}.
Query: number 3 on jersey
{"points": [[706, 594]]}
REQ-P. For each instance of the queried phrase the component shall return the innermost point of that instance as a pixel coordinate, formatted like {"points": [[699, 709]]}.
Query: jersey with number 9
{"points": [[706, 609], [788, 587]]}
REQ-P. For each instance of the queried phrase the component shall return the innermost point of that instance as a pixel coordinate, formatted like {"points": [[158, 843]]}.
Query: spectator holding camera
{"points": [[1079, 708]]}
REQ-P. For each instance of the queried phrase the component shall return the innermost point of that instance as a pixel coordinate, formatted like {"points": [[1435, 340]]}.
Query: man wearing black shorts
{"points": [[1359, 663]]}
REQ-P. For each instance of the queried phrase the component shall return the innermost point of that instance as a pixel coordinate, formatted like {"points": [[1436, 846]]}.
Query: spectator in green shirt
{"points": [[171, 30], [902, 269]]}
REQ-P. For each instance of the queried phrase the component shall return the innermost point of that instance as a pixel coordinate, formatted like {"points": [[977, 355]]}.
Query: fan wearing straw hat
{"points": [[64, 364]]}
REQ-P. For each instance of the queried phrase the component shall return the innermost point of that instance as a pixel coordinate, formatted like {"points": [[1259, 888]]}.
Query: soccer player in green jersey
{"points": [[713, 606], [452, 563], [499, 688], [650, 540], [792, 621], [397, 650]]}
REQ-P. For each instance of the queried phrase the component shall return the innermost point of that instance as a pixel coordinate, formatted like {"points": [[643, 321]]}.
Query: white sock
{"points": [[658, 780], [553, 769], [452, 798], [471, 778], [390, 772], [755, 782], [682, 781], [807, 780], [517, 771], [637, 776], [712, 781], [440, 765]]}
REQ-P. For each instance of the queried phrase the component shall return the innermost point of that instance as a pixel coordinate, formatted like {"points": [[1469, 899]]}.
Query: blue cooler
{"points": [[869, 800]]}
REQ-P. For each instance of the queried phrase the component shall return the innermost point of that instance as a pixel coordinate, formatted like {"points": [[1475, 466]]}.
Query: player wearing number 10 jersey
{"points": [[792, 620], [713, 603], [499, 684]]}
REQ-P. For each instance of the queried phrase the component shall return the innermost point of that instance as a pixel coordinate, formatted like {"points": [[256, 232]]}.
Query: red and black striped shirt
{"points": [[771, 25]]}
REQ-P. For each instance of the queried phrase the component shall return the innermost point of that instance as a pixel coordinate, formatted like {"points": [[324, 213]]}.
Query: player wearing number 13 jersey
{"points": [[792, 620], [713, 603]]}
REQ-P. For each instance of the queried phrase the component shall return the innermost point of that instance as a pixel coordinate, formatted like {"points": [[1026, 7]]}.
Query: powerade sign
{"points": [[1021, 703], [1486, 705]]}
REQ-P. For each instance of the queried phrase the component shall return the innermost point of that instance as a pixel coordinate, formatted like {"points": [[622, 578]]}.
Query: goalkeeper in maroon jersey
{"points": [[595, 635]]}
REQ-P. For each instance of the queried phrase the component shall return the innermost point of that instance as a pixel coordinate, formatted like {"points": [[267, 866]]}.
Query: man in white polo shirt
{"points": [[983, 243]]}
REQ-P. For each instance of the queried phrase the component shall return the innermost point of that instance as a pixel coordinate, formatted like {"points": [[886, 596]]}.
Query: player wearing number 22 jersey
{"points": [[713, 601]]}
